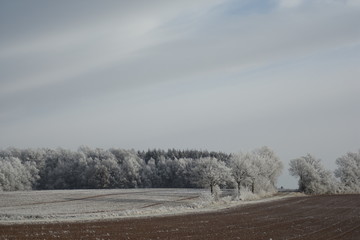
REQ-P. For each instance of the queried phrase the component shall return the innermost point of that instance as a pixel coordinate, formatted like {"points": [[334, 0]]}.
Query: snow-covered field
{"points": [[61, 205], [83, 205]]}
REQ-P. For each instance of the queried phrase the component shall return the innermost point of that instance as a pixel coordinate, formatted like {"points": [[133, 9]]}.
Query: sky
{"points": [[221, 75]]}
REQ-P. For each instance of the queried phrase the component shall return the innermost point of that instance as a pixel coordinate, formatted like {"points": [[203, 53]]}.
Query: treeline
{"points": [[315, 179], [86, 168], [255, 171]]}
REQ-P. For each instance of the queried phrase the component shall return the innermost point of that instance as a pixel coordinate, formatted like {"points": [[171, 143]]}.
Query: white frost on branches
{"points": [[313, 177], [211, 172], [257, 170], [348, 172], [16, 176]]}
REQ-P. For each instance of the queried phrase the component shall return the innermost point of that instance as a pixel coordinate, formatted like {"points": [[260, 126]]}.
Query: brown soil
{"points": [[319, 217]]}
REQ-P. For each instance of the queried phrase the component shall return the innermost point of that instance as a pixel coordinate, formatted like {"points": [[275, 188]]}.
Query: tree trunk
{"points": [[212, 189], [238, 185], [253, 186]]}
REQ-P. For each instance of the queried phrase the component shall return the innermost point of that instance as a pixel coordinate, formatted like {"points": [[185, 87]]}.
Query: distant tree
{"points": [[313, 178], [258, 169], [62, 170], [211, 172], [130, 168], [14, 175], [173, 172], [254, 172], [146, 173], [269, 168], [240, 169], [163, 172], [101, 176], [150, 174], [348, 171]]}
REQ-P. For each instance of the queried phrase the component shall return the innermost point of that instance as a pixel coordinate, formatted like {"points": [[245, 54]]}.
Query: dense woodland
{"points": [[256, 171], [26, 169]]}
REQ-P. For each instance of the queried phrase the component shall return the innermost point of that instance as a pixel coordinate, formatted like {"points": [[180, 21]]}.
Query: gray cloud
{"points": [[222, 75]]}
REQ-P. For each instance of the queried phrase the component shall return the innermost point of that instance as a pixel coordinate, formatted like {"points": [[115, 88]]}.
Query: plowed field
{"points": [[317, 217]]}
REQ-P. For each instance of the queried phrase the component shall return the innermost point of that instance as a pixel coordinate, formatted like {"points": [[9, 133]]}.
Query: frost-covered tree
{"points": [[348, 171], [103, 169], [166, 171], [63, 169], [269, 168], [14, 175], [313, 178], [118, 168], [130, 171], [258, 169], [240, 169], [148, 174], [211, 172], [101, 177]]}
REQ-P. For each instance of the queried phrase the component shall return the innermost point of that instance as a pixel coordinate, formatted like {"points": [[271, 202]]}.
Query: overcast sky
{"points": [[222, 75]]}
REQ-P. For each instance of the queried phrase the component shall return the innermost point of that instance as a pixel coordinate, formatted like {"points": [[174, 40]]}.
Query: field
{"points": [[85, 205], [317, 217]]}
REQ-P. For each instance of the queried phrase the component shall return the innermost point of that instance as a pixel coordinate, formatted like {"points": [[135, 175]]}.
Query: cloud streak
{"points": [[222, 74]]}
